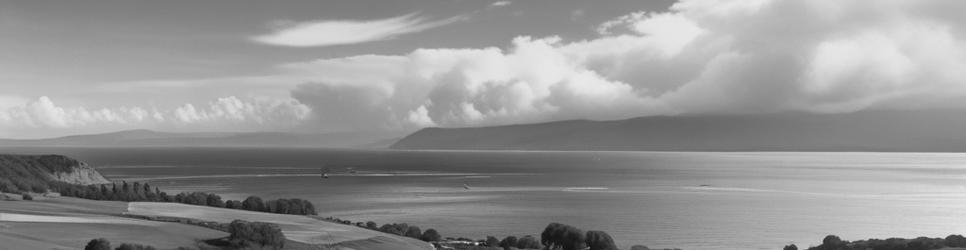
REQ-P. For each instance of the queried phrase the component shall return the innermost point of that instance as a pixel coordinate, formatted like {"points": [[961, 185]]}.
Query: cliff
{"points": [[35, 173], [82, 174]]}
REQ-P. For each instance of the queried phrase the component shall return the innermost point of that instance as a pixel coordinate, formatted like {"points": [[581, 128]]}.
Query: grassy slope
{"points": [[103, 223], [298, 228]]}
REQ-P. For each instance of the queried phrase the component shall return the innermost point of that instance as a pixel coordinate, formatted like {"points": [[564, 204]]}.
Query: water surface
{"points": [[696, 200]]}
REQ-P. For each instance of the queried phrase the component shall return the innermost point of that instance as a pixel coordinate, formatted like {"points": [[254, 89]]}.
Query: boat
{"points": [[467, 187], [325, 173]]}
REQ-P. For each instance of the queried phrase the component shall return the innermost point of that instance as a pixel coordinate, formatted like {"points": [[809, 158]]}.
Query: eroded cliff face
{"points": [[81, 174]]}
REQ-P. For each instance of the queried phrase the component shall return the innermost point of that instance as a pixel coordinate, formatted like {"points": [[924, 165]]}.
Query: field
{"points": [[297, 228], [68, 223]]}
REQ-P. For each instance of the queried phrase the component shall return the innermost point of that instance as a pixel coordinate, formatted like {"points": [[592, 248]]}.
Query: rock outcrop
{"points": [[82, 174]]}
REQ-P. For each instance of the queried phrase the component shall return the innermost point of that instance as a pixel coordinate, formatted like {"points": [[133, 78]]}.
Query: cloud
{"points": [[338, 32], [699, 57], [228, 113], [500, 3]]}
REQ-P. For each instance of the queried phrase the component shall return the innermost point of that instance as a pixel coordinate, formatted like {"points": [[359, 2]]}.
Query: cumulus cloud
{"points": [[337, 32], [43, 114], [698, 57]]}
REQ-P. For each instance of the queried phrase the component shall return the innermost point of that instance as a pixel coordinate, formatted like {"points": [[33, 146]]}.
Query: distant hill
{"points": [[155, 138], [927, 131]]}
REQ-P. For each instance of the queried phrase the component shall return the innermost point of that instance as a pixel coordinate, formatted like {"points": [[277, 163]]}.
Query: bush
{"points": [[131, 246], [491, 241], [790, 247], [639, 247], [244, 234], [600, 240], [27, 197], [564, 237], [431, 235], [414, 232], [508, 242], [253, 203], [528, 242], [98, 244], [955, 240]]}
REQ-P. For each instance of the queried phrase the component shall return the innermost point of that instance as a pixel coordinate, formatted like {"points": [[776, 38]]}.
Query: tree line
{"points": [[144, 192], [104, 244], [833, 242]]}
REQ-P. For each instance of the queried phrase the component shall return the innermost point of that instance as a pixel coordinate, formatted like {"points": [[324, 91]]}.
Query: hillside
{"points": [[246, 139], [928, 131], [33, 173]]}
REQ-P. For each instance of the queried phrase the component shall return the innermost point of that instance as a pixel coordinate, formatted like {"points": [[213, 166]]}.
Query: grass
{"points": [[302, 229], [68, 223]]}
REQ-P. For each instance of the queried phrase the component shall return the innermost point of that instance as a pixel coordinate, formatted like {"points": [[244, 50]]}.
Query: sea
{"points": [[687, 200]]}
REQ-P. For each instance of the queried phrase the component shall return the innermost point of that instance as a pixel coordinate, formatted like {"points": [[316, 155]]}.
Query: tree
{"points": [[563, 237], [213, 200], [491, 241], [431, 235], [832, 242], [390, 229], [528, 242], [372, 225], [253, 203], [233, 204], [414, 232], [600, 240], [244, 233], [955, 240], [508, 242], [790, 247], [98, 244]]}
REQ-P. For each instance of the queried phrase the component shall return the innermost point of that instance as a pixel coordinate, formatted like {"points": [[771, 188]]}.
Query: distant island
{"points": [[885, 131]]}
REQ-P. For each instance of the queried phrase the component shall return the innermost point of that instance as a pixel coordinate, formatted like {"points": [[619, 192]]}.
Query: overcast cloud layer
{"points": [[699, 57]]}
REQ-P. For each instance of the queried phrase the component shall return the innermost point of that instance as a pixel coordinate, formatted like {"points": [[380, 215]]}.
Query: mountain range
{"points": [[879, 130], [273, 139]]}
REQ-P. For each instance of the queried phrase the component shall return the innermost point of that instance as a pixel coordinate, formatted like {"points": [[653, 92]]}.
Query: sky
{"points": [[75, 67]]}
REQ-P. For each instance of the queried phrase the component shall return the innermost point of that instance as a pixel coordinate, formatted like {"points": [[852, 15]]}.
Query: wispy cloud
{"points": [[338, 32], [500, 3]]}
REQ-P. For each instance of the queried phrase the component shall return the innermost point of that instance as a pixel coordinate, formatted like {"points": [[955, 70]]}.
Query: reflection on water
{"points": [[686, 200]]}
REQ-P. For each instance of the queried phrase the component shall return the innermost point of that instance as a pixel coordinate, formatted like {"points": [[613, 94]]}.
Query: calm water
{"points": [[685, 200]]}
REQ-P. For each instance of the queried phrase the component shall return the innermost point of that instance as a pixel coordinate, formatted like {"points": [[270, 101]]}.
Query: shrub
{"points": [[639, 247], [563, 237], [98, 244], [244, 233], [431, 235], [253, 203], [955, 240], [790, 247], [528, 242], [508, 242], [28, 197], [414, 232], [600, 240], [131, 246], [491, 241]]}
